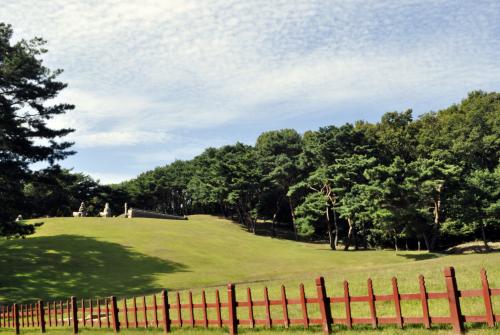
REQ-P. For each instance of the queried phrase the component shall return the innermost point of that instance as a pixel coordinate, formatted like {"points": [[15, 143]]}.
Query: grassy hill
{"points": [[90, 257], [96, 257]]}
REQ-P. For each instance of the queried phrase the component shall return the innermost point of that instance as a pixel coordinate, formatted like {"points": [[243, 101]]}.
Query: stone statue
{"points": [[106, 213], [83, 208], [82, 211], [19, 218]]}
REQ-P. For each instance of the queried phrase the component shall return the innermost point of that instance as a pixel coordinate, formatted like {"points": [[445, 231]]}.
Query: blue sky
{"points": [[155, 81]]}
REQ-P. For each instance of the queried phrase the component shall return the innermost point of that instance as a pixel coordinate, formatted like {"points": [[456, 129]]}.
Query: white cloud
{"points": [[142, 72], [118, 137], [109, 177], [122, 120], [188, 150]]}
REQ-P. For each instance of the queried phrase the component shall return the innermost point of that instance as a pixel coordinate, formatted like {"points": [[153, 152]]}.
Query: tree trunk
{"points": [[395, 242], [427, 241], [292, 212], [240, 217], [224, 210], [277, 208], [244, 214], [418, 244], [333, 200], [336, 228], [355, 236], [483, 233], [349, 234], [329, 228], [437, 219], [434, 240], [437, 209]]}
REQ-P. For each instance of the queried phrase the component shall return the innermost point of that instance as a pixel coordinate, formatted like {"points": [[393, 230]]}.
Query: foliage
{"points": [[368, 184], [26, 88]]}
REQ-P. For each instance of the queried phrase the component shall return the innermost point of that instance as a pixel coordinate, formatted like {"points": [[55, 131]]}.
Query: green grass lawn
{"points": [[97, 257]]}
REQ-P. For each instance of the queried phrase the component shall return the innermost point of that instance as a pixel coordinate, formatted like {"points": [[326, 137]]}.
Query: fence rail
{"points": [[232, 313]]}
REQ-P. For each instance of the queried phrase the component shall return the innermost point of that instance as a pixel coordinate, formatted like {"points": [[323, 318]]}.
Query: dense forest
{"points": [[425, 182], [428, 182], [397, 182]]}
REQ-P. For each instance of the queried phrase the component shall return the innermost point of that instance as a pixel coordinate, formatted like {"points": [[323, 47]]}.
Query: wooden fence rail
{"points": [[233, 313]]}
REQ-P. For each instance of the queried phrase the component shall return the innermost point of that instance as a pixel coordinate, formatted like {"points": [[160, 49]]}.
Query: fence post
{"points": [[204, 308], [250, 308], [125, 313], [487, 299], [16, 318], [303, 302], [371, 303], [165, 311], [397, 302], [324, 305], [231, 305], [114, 315], [74, 315], [68, 311], [284, 303], [41, 312], [454, 300], [108, 323], [99, 321], [83, 313], [145, 311], [179, 309], [190, 308], [267, 307], [426, 319], [347, 303], [155, 314], [134, 306], [37, 314], [217, 308]]}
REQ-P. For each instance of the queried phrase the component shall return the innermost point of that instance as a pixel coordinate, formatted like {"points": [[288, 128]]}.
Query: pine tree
{"points": [[26, 87]]}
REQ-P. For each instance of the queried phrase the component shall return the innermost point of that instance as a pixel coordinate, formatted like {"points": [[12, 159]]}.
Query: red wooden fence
{"points": [[164, 313]]}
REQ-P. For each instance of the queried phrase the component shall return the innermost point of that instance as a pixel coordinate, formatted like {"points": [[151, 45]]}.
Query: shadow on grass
{"points": [[471, 249], [56, 267], [420, 257]]}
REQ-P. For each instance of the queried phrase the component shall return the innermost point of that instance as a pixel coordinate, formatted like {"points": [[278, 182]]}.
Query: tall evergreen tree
{"points": [[26, 88], [277, 155]]}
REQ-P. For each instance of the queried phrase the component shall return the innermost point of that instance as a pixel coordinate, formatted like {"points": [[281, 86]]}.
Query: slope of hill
{"points": [[90, 257]]}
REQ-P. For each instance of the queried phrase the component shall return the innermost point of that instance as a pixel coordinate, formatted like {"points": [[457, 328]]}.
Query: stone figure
{"points": [[106, 213], [19, 218], [83, 208], [82, 211]]}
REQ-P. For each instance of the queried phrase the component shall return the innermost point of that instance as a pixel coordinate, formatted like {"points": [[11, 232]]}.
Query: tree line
{"points": [[401, 181], [397, 182]]}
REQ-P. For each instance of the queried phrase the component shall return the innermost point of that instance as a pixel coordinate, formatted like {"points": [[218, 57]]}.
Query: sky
{"points": [[155, 81]]}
